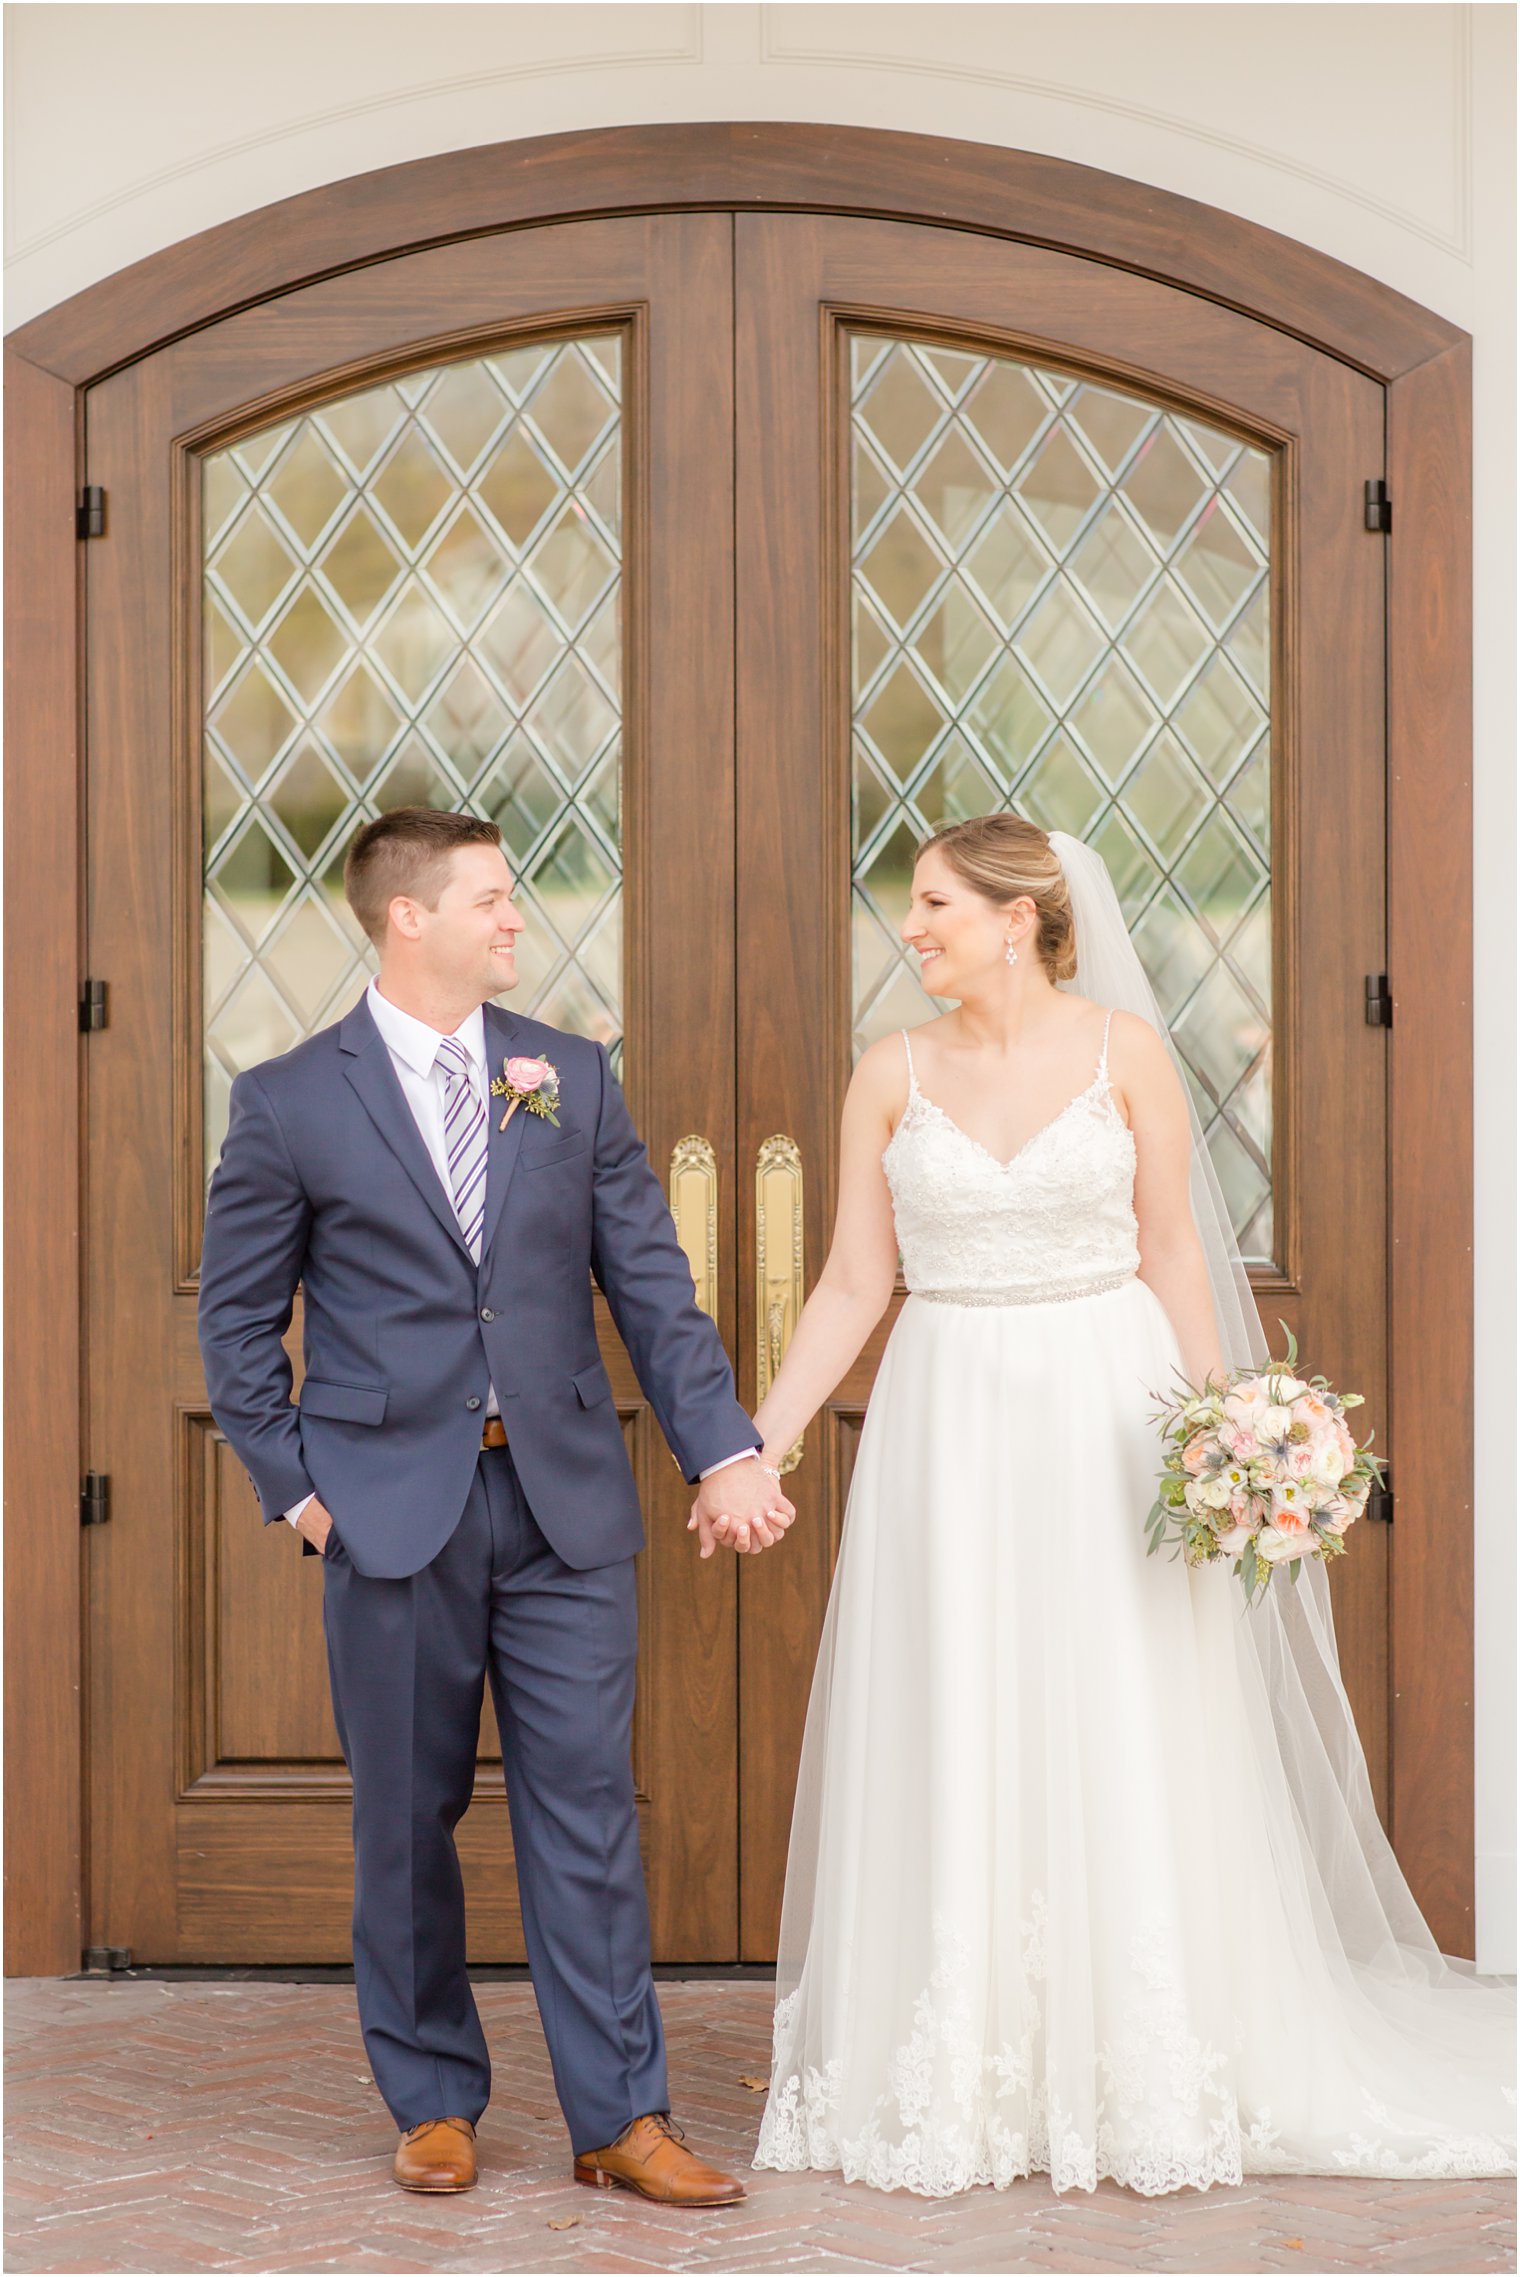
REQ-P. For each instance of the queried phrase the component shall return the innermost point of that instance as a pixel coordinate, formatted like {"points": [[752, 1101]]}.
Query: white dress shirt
{"points": [[413, 1047]]}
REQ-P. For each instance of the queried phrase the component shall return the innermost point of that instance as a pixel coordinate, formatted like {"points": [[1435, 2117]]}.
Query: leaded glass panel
{"points": [[1061, 605], [412, 597]]}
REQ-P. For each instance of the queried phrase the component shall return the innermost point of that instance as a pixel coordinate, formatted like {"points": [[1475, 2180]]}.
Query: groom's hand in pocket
{"points": [[740, 1506], [315, 1523]]}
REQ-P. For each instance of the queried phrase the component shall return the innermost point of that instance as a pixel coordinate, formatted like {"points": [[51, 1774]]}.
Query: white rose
{"points": [[1281, 1549], [1243, 1407], [1272, 1423], [1329, 1465]]}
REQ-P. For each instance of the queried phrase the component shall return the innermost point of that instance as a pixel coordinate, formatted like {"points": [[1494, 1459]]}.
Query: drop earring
{"points": [[1010, 953]]}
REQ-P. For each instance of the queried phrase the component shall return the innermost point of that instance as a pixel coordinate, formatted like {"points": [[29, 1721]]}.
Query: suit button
{"points": [[472, 1403], [486, 1313]]}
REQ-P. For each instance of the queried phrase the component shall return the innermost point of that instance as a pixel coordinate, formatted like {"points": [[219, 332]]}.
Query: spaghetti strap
{"points": [[1102, 1074], [908, 1048]]}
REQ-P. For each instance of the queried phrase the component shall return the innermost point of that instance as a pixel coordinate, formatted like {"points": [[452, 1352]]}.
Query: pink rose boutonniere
{"points": [[530, 1083]]}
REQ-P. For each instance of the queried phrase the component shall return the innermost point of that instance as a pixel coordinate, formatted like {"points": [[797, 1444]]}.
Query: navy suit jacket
{"points": [[325, 1181]]}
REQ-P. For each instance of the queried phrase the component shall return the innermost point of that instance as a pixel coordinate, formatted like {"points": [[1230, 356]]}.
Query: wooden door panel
{"points": [[804, 287], [218, 1796], [232, 1856]]}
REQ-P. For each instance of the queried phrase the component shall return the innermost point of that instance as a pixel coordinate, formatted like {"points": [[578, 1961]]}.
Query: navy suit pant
{"points": [[408, 1661]]}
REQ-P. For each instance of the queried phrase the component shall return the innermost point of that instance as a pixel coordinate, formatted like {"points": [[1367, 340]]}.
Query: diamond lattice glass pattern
{"points": [[1062, 605], [412, 598]]}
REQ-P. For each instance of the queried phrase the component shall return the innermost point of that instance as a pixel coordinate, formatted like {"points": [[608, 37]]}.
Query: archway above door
{"points": [[1420, 361], [759, 166]]}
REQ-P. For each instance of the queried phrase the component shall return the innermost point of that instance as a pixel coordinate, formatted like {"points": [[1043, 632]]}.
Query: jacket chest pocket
{"points": [[562, 1148]]}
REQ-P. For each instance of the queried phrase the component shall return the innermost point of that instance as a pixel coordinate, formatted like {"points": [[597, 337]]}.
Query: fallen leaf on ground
{"points": [[566, 2222], [755, 2081], [1297, 2243]]}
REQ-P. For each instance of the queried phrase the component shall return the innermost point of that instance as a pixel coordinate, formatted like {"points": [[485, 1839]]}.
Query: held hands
{"points": [[741, 1506]]}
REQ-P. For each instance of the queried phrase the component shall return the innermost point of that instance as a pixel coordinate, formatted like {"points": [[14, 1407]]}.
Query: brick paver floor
{"points": [[184, 2126]]}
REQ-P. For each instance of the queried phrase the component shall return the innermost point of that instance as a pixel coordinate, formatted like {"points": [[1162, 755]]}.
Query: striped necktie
{"points": [[464, 1136]]}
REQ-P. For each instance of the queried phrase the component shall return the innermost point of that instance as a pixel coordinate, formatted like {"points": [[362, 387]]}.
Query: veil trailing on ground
{"points": [[1368, 1919]]}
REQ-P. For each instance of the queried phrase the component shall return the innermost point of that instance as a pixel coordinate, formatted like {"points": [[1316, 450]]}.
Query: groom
{"points": [[457, 1461]]}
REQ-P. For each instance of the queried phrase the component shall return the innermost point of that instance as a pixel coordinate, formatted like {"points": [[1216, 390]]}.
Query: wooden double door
{"points": [[718, 557]]}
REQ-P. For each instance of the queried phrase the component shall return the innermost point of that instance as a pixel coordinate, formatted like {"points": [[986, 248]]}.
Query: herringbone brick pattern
{"points": [[191, 2126]]}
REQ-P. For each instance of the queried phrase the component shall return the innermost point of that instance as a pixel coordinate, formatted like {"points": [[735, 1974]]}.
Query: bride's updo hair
{"points": [[1002, 856]]}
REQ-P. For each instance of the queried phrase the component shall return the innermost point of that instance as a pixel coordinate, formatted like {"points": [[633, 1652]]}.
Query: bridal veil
{"points": [[1367, 1914]]}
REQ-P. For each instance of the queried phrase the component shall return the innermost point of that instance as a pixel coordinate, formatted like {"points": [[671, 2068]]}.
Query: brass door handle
{"points": [[694, 1206], [778, 1263]]}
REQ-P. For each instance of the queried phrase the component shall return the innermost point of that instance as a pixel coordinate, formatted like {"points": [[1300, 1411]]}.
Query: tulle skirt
{"points": [[1054, 1899]]}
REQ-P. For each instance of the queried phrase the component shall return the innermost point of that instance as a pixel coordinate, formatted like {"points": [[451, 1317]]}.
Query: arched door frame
{"points": [[1424, 366]]}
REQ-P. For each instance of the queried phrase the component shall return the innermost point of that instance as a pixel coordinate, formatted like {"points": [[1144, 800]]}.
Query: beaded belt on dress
{"points": [[1032, 1293]]}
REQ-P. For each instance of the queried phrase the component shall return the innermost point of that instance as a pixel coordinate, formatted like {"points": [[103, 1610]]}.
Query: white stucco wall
{"points": [[1383, 134]]}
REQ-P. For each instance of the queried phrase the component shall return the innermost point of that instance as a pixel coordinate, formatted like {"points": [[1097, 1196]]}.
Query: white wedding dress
{"points": [[1051, 1901]]}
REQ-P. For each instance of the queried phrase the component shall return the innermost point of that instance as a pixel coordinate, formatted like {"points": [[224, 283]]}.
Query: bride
{"points": [[1085, 1874]]}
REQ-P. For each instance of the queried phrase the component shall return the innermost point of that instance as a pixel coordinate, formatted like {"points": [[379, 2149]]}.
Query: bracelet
{"points": [[776, 1475]]}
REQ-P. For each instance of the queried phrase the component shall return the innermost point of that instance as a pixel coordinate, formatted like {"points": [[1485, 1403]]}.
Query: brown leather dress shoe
{"points": [[651, 2157], [439, 2154]]}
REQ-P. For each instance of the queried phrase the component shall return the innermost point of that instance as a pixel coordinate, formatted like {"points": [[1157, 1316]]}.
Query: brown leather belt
{"points": [[495, 1432]]}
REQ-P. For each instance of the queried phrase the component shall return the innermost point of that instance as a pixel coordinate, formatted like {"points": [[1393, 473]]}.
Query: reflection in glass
{"points": [[412, 598], [1061, 605]]}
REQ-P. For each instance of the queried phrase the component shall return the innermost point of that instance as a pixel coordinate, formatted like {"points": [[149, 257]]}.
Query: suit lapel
{"points": [[504, 1145], [367, 1064]]}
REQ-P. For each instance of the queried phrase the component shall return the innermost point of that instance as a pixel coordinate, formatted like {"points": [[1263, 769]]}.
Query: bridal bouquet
{"points": [[1260, 1468]]}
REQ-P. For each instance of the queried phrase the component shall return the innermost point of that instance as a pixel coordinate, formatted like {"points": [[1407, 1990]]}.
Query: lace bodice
{"points": [[1058, 1220]]}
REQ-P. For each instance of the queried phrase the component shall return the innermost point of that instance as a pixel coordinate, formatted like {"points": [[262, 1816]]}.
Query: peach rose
{"points": [[1290, 1512]]}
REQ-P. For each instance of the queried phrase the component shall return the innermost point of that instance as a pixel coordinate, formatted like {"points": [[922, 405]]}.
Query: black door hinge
{"points": [[1379, 1002], [94, 1499], [1380, 1500], [90, 512], [106, 1960], [1377, 509], [92, 1006]]}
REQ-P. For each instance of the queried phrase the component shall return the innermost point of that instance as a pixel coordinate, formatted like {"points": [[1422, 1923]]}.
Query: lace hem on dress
{"points": [[957, 2115]]}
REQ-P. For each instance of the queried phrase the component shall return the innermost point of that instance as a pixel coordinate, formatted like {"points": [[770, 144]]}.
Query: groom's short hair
{"points": [[406, 851]]}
